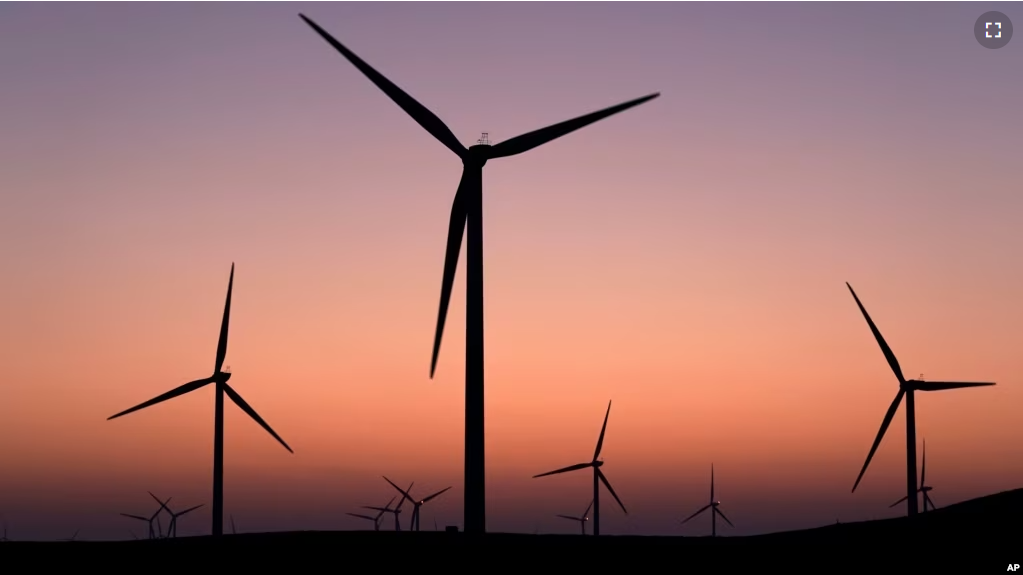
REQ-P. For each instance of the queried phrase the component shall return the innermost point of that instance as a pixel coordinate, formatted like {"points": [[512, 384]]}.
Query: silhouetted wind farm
{"points": [[954, 519]]}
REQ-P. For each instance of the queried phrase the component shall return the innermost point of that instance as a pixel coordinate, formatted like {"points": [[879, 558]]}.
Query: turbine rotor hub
{"points": [[476, 156]]}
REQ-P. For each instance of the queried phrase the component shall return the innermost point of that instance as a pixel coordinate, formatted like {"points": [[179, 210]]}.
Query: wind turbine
{"points": [[219, 378], [598, 476], [715, 505], [906, 388], [924, 488], [4, 539], [397, 509], [172, 529], [73, 537], [582, 519], [375, 520], [152, 518], [233, 530], [416, 504], [467, 213]]}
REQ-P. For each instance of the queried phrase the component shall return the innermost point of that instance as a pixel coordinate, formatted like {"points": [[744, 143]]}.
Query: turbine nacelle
{"points": [[597, 463], [476, 156], [221, 376]]}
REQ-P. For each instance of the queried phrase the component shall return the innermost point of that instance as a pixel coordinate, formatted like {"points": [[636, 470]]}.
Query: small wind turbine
{"points": [[233, 530], [396, 511], [598, 476], [582, 519], [73, 537], [152, 518], [715, 505], [4, 539], [172, 529], [906, 388], [219, 378], [467, 213], [416, 504], [924, 488]]}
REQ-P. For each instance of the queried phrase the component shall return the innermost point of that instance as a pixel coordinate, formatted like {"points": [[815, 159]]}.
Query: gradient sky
{"points": [[686, 258]]}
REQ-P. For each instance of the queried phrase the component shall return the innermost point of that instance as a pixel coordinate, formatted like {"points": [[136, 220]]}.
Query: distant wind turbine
{"points": [[219, 378], [715, 505], [598, 476], [906, 388], [467, 212], [416, 503], [380, 513], [73, 537], [172, 529], [924, 488], [582, 519], [4, 539], [149, 520], [397, 508], [233, 530]]}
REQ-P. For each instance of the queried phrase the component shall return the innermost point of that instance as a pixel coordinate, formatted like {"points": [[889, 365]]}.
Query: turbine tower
{"points": [[598, 476], [467, 213], [715, 505], [907, 389], [924, 488], [219, 378]]}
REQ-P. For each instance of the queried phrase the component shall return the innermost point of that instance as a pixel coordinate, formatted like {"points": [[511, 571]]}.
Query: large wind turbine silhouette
{"points": [[715, 505], [924, 488], [467, 213], [598, 476], [416, 503], [219, 378], [907, 389], [582, 519]]}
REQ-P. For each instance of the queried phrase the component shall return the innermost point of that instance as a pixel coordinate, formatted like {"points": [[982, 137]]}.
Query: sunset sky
{"points": [[685, 259]]}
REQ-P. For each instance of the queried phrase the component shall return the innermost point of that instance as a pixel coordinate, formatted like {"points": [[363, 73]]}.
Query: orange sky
{"points": [[686, 259]]}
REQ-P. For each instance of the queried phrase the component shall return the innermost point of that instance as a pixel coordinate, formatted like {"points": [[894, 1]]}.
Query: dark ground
{"points": [[977, 536]]}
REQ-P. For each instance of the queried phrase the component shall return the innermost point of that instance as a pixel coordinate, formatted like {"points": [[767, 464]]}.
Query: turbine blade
{"points": [[404, 493], [456, 226], [362, 516], [181, 390], [894, 363], [702, 509], [588, 507], [163, 504], [381, 509], [943, 385], [134, 516], [425, 118], [528, 141], [923, 466], [237, 399], [927, 497], [904, 497], [880, 435], [604, 480], [189, 510], [722, 514], [712, 483], [568, 517], [600, 440], [435, 495], [565, 469], [222, 344]]}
